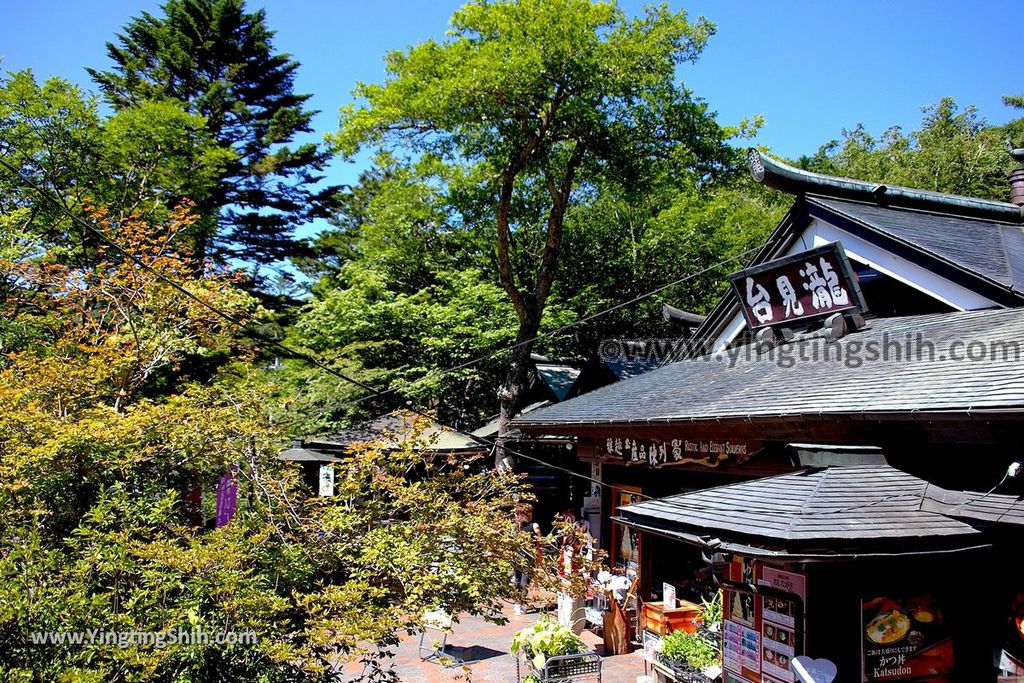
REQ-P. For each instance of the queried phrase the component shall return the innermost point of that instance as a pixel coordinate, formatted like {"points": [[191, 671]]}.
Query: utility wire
{"points": [[558, 331], [351, 380]]}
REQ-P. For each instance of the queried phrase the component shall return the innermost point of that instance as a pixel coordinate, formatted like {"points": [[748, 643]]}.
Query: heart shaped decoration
{"points": [[813, 670]]}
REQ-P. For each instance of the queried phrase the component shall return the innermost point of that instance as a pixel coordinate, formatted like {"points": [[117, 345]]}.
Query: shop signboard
{"points": [[763, 628], [668, 595], [668, 452], [801, 287], [652, 646], [904, 639]]}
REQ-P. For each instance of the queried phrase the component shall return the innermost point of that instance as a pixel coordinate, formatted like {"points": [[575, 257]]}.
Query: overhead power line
{"points": [[483, 441]]}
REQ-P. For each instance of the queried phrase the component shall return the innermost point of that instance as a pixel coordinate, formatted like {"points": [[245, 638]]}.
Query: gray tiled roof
{"points": [[982, 507], [395, 429], [992, 249], [840, 503], [716, 387]]}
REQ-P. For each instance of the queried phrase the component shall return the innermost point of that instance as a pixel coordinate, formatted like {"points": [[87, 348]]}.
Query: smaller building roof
{"points": [[393, 431], [300, 454], [834, 507]]}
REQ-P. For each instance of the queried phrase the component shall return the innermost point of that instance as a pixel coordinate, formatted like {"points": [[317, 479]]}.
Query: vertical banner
{"points": [[227, 498], [626, 540], [326, 481]]}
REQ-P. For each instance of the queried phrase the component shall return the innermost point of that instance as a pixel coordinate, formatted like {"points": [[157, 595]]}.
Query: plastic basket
{"points": [[583, 666], [683, 672]]}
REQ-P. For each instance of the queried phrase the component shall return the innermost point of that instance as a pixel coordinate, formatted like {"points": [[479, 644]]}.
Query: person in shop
{"points": [[521, 577], [571, 609]]}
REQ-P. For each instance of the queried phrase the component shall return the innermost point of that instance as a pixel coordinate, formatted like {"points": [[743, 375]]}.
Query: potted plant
{"points": [[552, 650], [690, 657], [711, 620]]}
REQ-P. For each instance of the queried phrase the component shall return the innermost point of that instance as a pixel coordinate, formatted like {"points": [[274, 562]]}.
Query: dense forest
{"points": [[162, 325]]}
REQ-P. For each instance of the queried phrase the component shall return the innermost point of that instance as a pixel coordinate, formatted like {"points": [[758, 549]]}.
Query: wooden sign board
{"points": [[678, 451], [799, 288]]}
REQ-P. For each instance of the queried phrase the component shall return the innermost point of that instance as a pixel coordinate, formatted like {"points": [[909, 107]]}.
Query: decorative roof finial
{"points": [[1016, 152]]}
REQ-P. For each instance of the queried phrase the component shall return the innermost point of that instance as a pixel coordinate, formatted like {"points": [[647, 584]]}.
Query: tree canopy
{"points": [[538, 101], [954, 151], [217, 60], [108, 493]]}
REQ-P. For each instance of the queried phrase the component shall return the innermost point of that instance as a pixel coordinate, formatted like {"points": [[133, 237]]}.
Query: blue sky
{"points": [[811, 68]]}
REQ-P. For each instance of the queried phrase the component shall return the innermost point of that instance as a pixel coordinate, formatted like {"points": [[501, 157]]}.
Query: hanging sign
{"points": [[326, 480], [658, 453], [805, 286]]}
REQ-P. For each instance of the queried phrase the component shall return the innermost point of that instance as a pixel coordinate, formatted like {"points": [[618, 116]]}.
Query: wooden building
{"points": [[922, 363]]}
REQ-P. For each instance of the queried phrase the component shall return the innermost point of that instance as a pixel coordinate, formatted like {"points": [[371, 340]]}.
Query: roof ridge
{"points": [[779, 175]]}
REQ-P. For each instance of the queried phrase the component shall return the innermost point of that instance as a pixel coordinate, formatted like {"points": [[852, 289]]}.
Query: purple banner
{"points": [[227, 498]]}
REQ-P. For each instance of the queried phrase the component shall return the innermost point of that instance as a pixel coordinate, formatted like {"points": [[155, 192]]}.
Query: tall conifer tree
{"points": [[219, 61]]}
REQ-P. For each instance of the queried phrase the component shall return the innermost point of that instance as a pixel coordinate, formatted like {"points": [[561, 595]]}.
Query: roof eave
{"points": [[567, 427], [781, 176]]}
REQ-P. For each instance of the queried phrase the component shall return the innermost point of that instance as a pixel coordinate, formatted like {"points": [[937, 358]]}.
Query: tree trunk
{"points": [[527, 298], [512, 393]]}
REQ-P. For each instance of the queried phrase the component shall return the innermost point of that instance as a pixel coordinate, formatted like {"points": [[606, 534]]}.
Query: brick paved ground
{"points": [[485, 645]]}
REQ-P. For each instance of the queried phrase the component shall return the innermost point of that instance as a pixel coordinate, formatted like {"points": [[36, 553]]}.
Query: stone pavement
{"points": [[484, 646]]}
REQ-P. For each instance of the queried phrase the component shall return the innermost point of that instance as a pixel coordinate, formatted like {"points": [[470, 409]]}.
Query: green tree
{"points": [[412, 293], [666, 233], [544, 98], [139, 162], [218, 61], [107, 496], [954, 151]]}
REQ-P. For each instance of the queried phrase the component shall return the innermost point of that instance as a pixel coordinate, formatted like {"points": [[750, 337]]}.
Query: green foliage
{"points": [[690, 648], [954, 151], [139, 163], [101, 530], [575, 71], [641, 243], [398, 338], [217, 61], [546, 638], [711, 611]]}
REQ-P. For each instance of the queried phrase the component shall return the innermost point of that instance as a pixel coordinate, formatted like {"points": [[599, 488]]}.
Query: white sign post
{"points": [[326, 481], [668, 596]]}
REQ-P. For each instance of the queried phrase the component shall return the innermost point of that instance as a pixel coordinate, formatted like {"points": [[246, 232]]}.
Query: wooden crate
{"points": [[655, 618]]}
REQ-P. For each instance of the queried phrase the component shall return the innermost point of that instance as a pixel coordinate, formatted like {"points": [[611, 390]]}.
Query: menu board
{"points": [[742, 648], [778, 644], [905, 639], [762, 630], [779, 621]]}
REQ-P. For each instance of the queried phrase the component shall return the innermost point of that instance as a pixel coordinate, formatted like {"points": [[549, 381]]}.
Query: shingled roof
{"points": [[990, 249], [977, 243], [393, 430], [835, 507], [741, 383]]}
